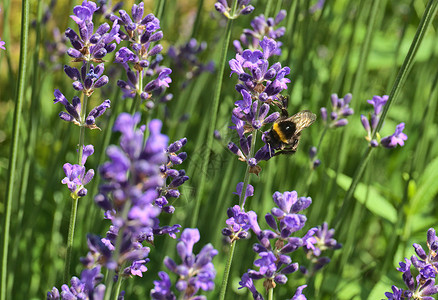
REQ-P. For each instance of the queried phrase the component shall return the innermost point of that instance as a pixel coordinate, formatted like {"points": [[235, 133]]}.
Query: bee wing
{"points": [[303, 119]]}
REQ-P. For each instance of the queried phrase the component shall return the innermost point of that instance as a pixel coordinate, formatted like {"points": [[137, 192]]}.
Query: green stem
{"points": [[75, 198], [196, 26], [118, 287], [82, 129], [227, 271], [213, 115], [364, 51], [160, 9], [20, 94], [425, 22], [247, 173], [270, 294], [70, 237], [137, 99]]}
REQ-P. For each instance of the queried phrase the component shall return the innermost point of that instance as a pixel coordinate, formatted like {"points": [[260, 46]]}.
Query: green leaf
{"points": [[427, 188], [374, 202]]}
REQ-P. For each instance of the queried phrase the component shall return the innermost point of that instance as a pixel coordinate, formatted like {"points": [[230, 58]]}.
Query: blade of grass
{"points": [[20, 94]]}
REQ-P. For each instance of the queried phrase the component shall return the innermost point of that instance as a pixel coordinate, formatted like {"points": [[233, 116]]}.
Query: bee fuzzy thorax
{"points": [[285, 130]]}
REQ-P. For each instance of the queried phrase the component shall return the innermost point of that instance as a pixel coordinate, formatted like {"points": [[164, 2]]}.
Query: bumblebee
{"points": [[285, 133]]}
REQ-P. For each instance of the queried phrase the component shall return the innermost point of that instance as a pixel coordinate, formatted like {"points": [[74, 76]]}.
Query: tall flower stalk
{"points": [[260, 88], [87, 47], [214, 109], [14, 145]]}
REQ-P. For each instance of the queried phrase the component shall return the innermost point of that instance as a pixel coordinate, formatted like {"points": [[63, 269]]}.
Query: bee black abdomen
{"points": [[287, 129], [273, 139]]}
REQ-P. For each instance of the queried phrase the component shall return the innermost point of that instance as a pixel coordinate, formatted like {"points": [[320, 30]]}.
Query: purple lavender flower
{"points": [[316, 241], [177, 177], [317, 6], [425, 264], [76, 178], [2, 44], [162, 288], [185, 59], [87, 287], [141, 59], [261, 27], [242, 8], [133, 181], [340, 110], [238, 222], [249, 284], [196, 271], [73, 109], [314, 161], [87, 45], [299, 293], [87, 81], [370, 125], [397, 138], [277, 243]]}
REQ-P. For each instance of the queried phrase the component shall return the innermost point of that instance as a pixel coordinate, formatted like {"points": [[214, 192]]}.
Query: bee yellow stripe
{"points": [[280, 134]]}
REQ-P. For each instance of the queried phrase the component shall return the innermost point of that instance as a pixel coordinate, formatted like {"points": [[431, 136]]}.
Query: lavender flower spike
{"points": [[87, 45], [196, 271], [242, 9], [261, 27], [76, 178], [73, 109], [299, 293], [87, 287], [340, 111], [370, 125], [425, 265]]}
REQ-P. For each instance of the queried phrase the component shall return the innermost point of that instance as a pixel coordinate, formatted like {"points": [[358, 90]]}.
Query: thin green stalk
{"points": [[364, 51], [227, 271], [136, 101], [118, 287], [82, 129], [425, 22], [268, 8], [247, 173], [197, 19], [70, 237], [271, 294], [20, 94], [75, 198], [213, 115], [160, 9], [28, 154]]}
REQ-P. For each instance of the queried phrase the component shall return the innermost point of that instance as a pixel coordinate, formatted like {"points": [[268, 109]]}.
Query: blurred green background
{"points": [[347, 46]]}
